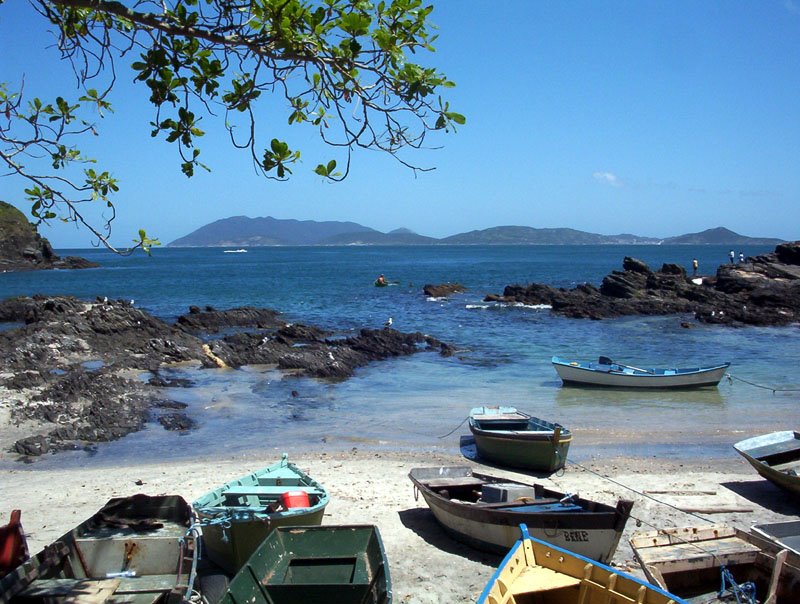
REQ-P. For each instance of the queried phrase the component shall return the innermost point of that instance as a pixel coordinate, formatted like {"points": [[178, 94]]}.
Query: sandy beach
{"points": [[370, 487]]}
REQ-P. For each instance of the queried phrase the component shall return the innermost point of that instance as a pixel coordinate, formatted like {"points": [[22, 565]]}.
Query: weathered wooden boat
{"points": [[537, 571], [775, 456], [13, 545], [608, 373], [485, 512], [718, 564], [238, 516], [344, 564], [136, 550], [785, 534], [513, 438]]}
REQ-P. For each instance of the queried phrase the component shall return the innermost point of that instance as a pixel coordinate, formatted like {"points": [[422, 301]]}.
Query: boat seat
{"points": [[266, 491], [534, 579], [84, 591], [456, 481], [774, 449]]}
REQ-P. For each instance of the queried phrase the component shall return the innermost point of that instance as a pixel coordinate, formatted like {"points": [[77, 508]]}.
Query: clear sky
{"points": [[652, 118]]}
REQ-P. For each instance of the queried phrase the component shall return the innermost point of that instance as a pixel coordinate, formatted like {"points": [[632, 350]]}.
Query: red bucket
{"points": [[295, 499]]}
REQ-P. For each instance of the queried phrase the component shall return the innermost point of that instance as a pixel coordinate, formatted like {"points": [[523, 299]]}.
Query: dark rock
{"points": [[214, 321], [22, 248], [45, 356], [765, 290], [443, 290], [177, 422]]}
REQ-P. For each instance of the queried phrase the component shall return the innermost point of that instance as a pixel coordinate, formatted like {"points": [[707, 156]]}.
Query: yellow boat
{"points": [[535, 571]]}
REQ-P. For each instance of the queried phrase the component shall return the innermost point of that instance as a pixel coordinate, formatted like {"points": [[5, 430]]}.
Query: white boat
{"points": [[606, 372], [485, 512], [239, 251], [775, 456]]}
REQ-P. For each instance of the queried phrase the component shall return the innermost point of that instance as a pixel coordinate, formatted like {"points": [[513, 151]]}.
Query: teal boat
{"points": [[535, 571], [512, 438], [134, 550], [239, 515], [295, 565]]}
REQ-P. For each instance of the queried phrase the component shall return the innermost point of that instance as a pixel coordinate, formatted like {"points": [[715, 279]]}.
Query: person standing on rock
{"points": [[731, 255], [741, 257], [695, 265]]}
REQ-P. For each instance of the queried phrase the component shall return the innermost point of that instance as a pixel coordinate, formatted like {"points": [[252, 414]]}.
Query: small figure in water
{"points": [[381, 280]]}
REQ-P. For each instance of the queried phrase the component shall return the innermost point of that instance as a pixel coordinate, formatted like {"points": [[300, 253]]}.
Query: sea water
{"points": [[421, 401]]}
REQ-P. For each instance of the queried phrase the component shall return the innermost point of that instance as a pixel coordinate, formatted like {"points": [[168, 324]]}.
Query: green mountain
{"points": [[241, 231], [720, 236], [519, 235]]}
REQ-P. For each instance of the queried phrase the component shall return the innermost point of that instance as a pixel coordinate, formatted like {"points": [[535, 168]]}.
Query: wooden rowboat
{"points": [[537, 571], [136, 550], [513, 438], [608, 373], [294, 565], [718, 564], [239, 515], [776, 457], [485, 512]]}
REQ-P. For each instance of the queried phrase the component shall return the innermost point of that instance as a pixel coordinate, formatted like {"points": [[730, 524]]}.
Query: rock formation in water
{"points": [[443, 290], [67, 369], [763, 290], [22, 248]]}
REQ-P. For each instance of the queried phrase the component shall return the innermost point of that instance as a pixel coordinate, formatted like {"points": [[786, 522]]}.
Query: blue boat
{"points": [[536, 571], [608, 373]]}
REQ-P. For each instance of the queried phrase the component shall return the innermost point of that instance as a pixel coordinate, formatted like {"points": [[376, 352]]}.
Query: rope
{"points": [[640, 493], [774, 390], [454, 429]]}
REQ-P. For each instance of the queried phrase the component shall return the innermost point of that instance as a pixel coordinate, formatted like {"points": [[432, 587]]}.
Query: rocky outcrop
{"points": [[764, 290], [22, 248], [69, 360], [443, 290]]}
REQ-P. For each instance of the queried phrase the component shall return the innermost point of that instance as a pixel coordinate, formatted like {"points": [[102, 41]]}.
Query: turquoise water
{"points": [[504, 352]]}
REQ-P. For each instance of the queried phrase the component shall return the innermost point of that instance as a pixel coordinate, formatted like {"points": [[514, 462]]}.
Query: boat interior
{"points": [[135, 554], [783, 455]]}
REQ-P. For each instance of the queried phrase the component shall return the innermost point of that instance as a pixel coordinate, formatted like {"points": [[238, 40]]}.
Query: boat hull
{"points": [[594, 534], [619, 376], [776, 457], [537, 571], [344, 564], [534, 444], [237, 517]]}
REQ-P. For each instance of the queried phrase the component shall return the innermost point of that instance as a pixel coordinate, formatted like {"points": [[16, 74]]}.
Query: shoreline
{"points": [[372, 487]]}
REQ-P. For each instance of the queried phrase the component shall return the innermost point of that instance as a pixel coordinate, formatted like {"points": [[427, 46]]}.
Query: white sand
{"points": [[426, 565]]}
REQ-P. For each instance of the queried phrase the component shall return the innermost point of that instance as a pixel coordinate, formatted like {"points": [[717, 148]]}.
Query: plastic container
{"points": [[295, 499]]}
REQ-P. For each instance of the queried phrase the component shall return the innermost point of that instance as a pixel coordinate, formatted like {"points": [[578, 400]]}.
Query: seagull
{"points": [[388, 322]]}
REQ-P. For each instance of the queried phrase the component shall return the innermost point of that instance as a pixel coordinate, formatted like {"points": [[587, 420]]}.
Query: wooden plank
{"points": [[458, 481], [244, 491], [780, 558], [714, 510]]}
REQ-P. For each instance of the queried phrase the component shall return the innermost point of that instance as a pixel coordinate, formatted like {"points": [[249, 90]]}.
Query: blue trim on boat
{"points": [[525, 535]]}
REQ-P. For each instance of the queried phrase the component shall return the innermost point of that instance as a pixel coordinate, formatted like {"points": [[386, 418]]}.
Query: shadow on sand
{"points": [[767, 495], [423, 523]]}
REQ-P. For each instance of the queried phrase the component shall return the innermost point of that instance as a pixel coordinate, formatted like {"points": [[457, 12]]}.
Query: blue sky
{"points": [[652, 118]]}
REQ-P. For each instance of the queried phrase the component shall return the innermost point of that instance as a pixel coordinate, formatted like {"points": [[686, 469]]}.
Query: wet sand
{"points": [[370, 487]]}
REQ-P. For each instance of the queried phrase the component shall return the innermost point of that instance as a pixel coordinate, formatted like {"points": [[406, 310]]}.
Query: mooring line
{"points": [[774, 390]]}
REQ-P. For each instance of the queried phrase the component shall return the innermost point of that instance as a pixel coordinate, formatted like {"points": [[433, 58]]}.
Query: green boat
{"points": [[295, 565], [239, 515], [134, 550], [512, 438]]}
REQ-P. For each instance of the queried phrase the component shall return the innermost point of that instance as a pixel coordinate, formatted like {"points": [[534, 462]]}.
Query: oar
{"points": [[610, 362]]}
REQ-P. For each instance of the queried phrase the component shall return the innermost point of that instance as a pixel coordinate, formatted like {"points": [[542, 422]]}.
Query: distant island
{"points": [[241, 231]]}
